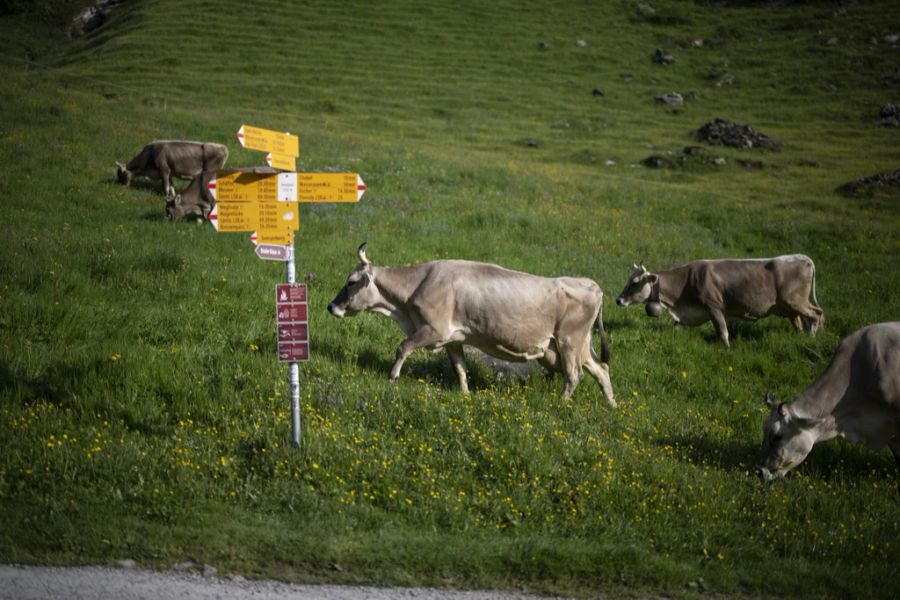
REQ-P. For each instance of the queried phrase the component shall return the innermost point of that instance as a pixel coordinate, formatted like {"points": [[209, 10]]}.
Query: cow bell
{"points": [[653, 309]]}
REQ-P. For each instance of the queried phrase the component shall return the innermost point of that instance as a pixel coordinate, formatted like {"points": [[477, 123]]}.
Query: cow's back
{"points": [[875, 363], [498, 305]]}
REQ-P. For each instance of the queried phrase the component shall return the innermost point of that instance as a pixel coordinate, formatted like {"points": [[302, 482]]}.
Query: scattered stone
{"points": [[830, 87], [529, 143], [645, 10], [892, 38], [671, 98], [657, 162], [751, 165], [185, 566], [581, 43], [809, 163], [543, 46], [596, 92], [210, 571], [628, 77], [727, 133], [693, 150], [609, 162], [889, 116], [697, 43], [727, 79], [832, 41], [126, 563], [719, 161], [866, 186], [662, 57]]}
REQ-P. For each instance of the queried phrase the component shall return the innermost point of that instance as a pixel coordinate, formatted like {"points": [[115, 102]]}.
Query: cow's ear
{"points": [[653, 278], [784, 411], [120, 166], [177, 199]]}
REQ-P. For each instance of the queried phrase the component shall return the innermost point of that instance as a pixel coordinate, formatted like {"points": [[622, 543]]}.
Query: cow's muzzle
{"points": [[335, 310], [621, 301]]}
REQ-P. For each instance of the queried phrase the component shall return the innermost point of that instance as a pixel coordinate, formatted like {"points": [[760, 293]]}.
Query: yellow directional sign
{"points": [[281, 161], [237, 216], [278, 216], [329, 187], [255, 138], [239, 186]]}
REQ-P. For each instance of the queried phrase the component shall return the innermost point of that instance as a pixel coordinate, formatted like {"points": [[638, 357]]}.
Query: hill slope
{"points": [[143, 411]]}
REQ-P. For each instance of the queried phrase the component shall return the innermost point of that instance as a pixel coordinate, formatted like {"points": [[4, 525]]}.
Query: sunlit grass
{"points": [[143, 413]]}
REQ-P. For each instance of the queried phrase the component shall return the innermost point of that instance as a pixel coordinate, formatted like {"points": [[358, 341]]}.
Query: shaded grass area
{"points": [[143, 415]]}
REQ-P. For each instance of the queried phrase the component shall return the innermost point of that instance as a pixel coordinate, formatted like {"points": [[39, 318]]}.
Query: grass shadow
{"points": [[731, 455]]}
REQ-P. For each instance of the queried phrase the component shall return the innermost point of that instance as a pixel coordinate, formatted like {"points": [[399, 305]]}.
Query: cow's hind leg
{"points": [[458, 360], [600, 371], [570, 365], [425, 336]]}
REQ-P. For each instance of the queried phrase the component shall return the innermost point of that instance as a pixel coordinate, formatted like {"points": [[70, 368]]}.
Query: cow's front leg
{"points": [[424, 336], [718, 318], [168, 190], [458, 360]]}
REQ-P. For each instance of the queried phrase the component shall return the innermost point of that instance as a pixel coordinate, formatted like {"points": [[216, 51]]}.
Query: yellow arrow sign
{"points": [[281, 161], [329, 187], [237, 216], [278, 215], [256, 138], [238, 186]]}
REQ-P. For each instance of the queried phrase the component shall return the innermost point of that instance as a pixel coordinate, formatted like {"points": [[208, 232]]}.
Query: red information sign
{"points": [[291, 313]]}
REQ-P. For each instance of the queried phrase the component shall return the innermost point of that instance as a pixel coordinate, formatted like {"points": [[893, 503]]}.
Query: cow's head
{"points": [[787, 440], [360, 292], [123, 175], [176, 210], [639, 287]]}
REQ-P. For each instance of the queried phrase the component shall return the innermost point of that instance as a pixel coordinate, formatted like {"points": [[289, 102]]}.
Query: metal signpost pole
{"points": [[291, 269]]}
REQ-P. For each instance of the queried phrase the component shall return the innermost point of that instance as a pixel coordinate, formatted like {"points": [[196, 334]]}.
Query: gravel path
{"points": [[102, 583]]}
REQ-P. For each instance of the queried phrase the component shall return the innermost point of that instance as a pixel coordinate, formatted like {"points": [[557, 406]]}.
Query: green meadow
{"points": [[144, 414]]}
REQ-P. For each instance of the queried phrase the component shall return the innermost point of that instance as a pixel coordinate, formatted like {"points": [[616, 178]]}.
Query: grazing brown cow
{"points": [[163, 159], [857, 397], [714, 290], [508, 314]]}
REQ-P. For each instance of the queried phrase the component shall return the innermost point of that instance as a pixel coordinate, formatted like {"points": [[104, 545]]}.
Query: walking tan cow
{"points": [[164, 158], [507, 314], [857, 397], [715, 290]]}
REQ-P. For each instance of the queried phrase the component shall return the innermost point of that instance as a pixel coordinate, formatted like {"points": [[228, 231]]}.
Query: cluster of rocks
{"points": [[728, 133], [866, 186], [890, 115], [92, 17]]}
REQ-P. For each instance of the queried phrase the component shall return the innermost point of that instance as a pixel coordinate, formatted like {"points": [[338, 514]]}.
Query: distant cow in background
{"points": [[714, 290], [196, 200], [857, 398], [508, 314], [166, 158]]}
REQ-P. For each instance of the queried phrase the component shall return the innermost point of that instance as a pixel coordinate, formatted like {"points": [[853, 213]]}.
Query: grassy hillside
{"points": [[143, 413]]}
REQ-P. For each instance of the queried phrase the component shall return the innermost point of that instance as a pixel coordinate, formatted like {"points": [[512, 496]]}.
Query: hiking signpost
{"points": [[267, 204]]}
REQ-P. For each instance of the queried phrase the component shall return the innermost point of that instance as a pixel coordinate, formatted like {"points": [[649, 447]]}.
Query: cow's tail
{"points": [[820, 323], [604, 345]]}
